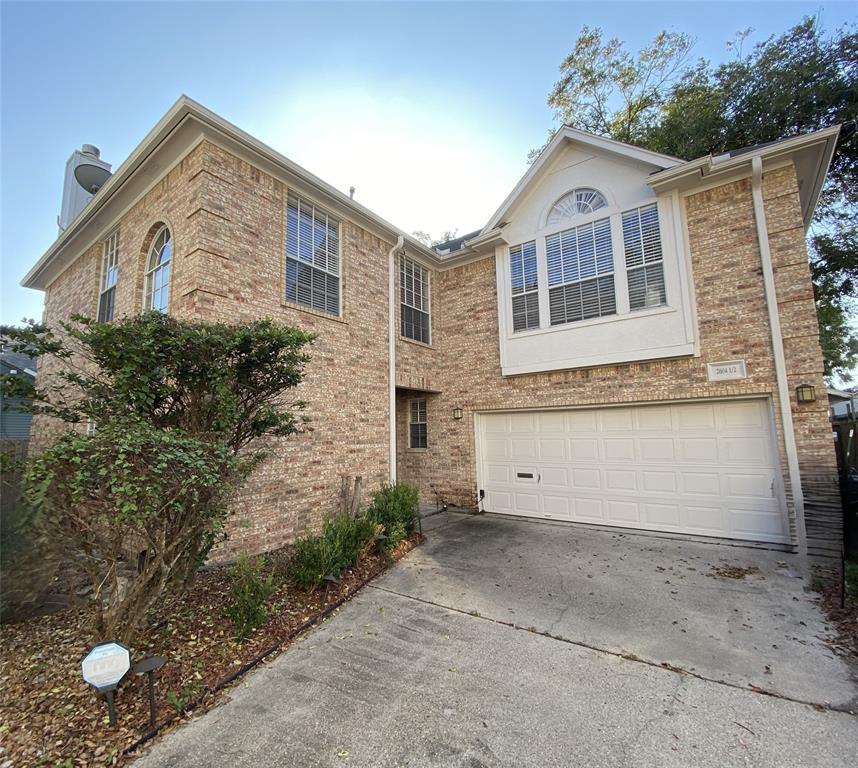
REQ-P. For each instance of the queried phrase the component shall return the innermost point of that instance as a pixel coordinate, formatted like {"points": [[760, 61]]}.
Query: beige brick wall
{"points": [[732, 320], [227, 220]]}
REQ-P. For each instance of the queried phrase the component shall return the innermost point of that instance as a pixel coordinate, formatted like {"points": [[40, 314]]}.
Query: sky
{"points": [[427, 109]]}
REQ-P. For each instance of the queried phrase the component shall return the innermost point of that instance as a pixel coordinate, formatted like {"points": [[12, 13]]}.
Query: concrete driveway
{"points": [[517, 643]]}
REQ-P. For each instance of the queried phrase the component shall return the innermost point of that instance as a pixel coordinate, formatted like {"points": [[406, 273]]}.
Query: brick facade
{"points": [[227, 220]]}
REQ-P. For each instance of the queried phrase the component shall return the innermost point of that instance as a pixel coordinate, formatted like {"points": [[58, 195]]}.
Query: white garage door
{"points": [[701, 468]]}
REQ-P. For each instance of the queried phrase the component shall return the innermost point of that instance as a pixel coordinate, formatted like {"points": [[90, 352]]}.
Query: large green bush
{"points": [[250, 587], [182, 414], [338, 547], [396, 508]]}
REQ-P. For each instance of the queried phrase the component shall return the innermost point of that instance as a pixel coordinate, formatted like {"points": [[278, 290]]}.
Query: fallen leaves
{"points": [[50, 717]]}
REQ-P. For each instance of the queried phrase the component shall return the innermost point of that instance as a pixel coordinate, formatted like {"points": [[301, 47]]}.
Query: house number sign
{"points": [[727, 371]]}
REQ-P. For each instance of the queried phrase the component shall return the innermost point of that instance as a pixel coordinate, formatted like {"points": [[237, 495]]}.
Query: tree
{"points": [[179, 415], [429, 241], [797, 82]]}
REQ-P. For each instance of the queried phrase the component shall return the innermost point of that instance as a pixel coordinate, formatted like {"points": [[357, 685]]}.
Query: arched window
{"points": [[158, 271], [576, 202]]}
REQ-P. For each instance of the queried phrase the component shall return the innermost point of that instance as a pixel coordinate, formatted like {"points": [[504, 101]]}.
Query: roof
{"points": [[186, 110], [15, 361], [456, 244]]}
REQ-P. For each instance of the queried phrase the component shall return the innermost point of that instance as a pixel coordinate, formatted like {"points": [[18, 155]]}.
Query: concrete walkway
{"points": [[511, 643]]}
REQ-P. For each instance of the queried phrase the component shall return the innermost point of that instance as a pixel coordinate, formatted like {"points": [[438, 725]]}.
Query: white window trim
{"points": [[106, 252], [428, 310], [542, 301], [340, 260], [150, 272], [411, 422], [644, 264]]}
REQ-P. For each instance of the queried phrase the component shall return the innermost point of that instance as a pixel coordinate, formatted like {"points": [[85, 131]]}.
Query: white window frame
{"points": [[152, 271], [425, 294], [644, 265], [325, 270], [525, 292], [412, 421], [109, 270]]}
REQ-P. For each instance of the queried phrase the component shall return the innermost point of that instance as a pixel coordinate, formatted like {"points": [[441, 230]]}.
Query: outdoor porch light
{"points": [[805, 393], [457, 413]]}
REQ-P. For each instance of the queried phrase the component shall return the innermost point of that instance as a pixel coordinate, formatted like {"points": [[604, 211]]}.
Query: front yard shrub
{"points": [[340, 545], [182, 413], [396, 508], [250, 587]]}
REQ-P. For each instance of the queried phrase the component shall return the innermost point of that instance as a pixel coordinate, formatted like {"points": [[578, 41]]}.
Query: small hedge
{"points": [[340, 545], [395, 507], [344, 538], [250, 587]]}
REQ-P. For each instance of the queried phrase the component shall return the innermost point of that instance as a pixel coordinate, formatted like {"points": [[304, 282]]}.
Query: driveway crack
{"points": [[663, 666]]}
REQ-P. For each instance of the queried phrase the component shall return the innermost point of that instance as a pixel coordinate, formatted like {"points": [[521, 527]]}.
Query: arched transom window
{"points": [[158, 271], [577, 202]]}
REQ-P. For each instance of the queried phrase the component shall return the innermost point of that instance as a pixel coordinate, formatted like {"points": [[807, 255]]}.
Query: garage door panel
{"points": [[620, 480], [694, 417], [657, 450], [586, 478], [654, 418], [662, 515], [617, 420], [658, 482], [698, 450], [589, 510], [497, 448], [498, 473], [581, 449], [759, 486], [623, 511], [619, 449], [699, 468], [552, 448], [553, 421], [557, 507], [744, 451]]}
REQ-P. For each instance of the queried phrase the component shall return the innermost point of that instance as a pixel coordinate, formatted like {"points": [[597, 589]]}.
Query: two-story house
{"points": [[630, 341]]}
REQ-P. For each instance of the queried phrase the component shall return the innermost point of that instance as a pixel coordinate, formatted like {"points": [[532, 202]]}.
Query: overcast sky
{"points": [[428, 109]]}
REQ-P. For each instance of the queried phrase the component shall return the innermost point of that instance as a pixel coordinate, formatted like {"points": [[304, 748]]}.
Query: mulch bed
{"points": [[845, 620], [50, 717]]}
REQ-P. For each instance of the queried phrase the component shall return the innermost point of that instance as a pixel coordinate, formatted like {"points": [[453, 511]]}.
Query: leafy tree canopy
{"points": [[800, 81]]}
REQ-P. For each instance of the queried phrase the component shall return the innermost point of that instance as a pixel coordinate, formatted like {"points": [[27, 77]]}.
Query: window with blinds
{"points": [[644, 265], [581, 273], [417, 424], [525, 287], [312, 257], [109, 276], [414, 301]]}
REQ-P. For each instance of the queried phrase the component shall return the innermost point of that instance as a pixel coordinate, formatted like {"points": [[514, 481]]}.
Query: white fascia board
{"points": [[183, 109], [600, 143], [706, 170]]}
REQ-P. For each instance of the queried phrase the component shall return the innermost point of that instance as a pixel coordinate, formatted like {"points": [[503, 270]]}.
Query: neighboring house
{"points": [[842, 404], [14, 422], [621, 344]]}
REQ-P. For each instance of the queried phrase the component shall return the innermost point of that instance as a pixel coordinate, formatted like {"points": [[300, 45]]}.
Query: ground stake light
{"points": [[103, 667], [149, 666]]}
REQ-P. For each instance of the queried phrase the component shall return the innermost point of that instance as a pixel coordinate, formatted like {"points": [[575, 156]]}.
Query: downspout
{"points": [[391, 350], [780, 361]]}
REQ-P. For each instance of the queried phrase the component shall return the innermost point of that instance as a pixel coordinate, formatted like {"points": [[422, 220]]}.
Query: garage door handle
{"points": [[539, 478]]}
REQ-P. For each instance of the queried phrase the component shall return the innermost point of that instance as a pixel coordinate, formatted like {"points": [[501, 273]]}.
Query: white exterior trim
{"points": [[780, 360]]}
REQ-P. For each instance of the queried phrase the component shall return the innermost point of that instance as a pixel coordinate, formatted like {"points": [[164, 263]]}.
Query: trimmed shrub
{"points": [[396, 508], [250, 588], [340, 545]]}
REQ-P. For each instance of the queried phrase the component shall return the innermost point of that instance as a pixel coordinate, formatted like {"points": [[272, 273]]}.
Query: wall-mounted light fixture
{"points": [[805, 393], [457, 413]]}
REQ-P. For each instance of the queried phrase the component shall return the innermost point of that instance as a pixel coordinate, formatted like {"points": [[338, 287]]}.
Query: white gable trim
{"points": [[599, 143]]}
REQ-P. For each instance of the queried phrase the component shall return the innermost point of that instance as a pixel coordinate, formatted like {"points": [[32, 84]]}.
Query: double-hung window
{"points": [[109, 275], [312, 257], [580, 264], [414, 301], [417, 437], [644, 264], [525, 286]]}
